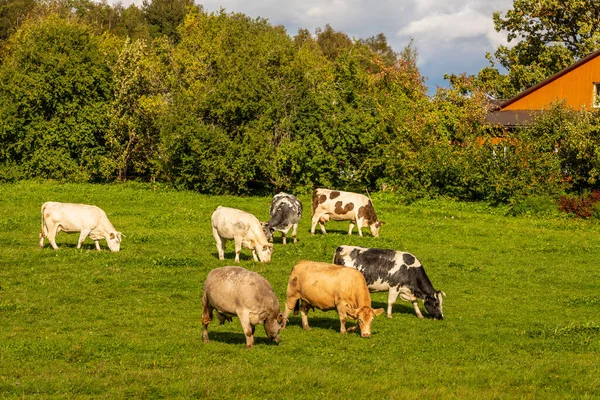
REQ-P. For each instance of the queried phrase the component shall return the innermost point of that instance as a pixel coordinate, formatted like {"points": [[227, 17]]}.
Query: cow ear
{"points": [[442, 293], [267, 247], [280, 318], [378, 311], [351, 311], [112, 235]]}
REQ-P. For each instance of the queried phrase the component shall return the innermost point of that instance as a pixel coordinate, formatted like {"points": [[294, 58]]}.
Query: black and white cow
{"points": [[285, 212], [396, 272]]}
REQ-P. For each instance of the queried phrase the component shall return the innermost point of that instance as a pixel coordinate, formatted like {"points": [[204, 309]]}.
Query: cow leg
{"points": [[294, 233], [315, 219], [351, 227], [304, 315], [416, 306], [82, 235], [283, 237], [358, 225], [238, 248], [322, 226], [290, 304], [392, 296], [254, 255], [97, 243], [341, 309], [247, 327], [51, 232], [207, 314], [220, 244]]}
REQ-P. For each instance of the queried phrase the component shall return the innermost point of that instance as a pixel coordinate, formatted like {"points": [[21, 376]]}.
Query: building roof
{"points": [[551, 78], [512, 118]]}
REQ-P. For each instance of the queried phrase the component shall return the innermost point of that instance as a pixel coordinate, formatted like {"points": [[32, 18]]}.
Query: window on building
{"points": [[596, 99]]}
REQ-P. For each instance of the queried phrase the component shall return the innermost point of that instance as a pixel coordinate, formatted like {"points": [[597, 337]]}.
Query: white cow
{"points": [[244, 229], [71, 218]]}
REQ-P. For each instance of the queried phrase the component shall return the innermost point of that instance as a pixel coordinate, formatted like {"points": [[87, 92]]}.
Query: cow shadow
{"points": [[230, 256], [334, 231], [84, 246], [332, 324], [238, 338], [402, 307]]}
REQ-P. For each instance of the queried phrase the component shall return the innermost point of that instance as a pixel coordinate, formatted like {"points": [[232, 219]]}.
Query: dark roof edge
{"points": [[552, 78]]}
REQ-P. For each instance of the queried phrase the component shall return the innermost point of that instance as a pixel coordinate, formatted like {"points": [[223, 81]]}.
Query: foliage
{"points": [[88, 324], [53, 97], [226, 104]]}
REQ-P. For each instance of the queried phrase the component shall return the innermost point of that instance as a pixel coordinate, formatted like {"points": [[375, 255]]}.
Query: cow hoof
{"points": [[389, 316], [307, 328]]}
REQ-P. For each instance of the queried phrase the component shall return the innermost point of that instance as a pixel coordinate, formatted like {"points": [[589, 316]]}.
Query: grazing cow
{"points": [[286, 211], [343, 206], [242, 227], [235, 291], [71, 218], [330, 287], [396, 272]]}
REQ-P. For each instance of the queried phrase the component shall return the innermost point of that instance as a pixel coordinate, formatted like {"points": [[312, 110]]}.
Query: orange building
{"points": [[577, 85]]}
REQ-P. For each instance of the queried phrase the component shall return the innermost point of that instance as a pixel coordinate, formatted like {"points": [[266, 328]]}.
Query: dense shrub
{"points": [[230, 104], [581, 206]]}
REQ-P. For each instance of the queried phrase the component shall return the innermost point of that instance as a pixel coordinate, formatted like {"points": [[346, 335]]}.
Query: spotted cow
{"points": [[343, 206], [396, 272], [285, 212]]}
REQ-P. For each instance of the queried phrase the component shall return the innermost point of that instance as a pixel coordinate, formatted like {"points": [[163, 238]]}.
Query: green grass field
{"points": [[522, 312]]}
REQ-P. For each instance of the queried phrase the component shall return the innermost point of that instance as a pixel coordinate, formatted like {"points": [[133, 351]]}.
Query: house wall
{"points": [[576, 87]]}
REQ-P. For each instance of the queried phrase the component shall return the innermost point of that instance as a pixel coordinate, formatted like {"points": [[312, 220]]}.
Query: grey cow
{"points": [[285, 212], [235, 291], [396, 272]]}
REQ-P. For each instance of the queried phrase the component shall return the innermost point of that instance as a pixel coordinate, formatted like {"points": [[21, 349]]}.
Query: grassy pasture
{"points": [[522, 311]]}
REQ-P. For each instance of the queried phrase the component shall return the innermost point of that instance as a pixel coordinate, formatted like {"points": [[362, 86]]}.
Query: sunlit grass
{"points": [[522, 316]]}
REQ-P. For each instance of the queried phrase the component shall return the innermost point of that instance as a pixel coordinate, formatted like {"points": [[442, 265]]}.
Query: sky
{"points": [[451, 36]]}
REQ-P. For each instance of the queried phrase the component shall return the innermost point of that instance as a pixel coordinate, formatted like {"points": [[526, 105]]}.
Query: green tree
{"points": [[54, 93], [12, 14], [164, 16]]}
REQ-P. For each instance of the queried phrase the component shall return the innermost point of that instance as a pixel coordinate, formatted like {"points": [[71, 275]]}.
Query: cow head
{"points": [[433, 304], [264, 252], [273, 326], [364, 316], [267, 230], [114, 241], [375, 227]]}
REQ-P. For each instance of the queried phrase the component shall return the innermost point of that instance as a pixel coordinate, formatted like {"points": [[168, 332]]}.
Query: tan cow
{"points": [[71, 218], [235, 291], [343, 206], [330, 287], [244, 229]]}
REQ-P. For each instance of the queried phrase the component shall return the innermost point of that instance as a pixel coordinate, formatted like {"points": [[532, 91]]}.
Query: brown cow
{"points": [[330, 287], [343, 206]]}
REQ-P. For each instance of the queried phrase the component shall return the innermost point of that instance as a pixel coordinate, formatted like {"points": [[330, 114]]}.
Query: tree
{"points": [[550, 35], [54, 92], [12, 15], [164, 16], [379, 45]]}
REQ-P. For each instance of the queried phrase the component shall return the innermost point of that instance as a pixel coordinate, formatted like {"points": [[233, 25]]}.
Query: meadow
{"points": [[521, 314]]}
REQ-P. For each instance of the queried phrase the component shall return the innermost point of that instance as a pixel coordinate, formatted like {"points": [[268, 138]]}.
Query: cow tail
{"points": [[43, 231], [297, 307]]}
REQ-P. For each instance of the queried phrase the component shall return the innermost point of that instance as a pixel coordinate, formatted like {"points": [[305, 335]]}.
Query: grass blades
{"points": [[521, 315]]}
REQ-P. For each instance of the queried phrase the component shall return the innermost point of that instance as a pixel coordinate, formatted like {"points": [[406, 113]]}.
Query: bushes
{"points": [[237, 106]]}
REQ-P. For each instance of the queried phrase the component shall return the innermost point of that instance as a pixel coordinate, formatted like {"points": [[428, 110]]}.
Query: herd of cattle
{"points": [[235, 291]]}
